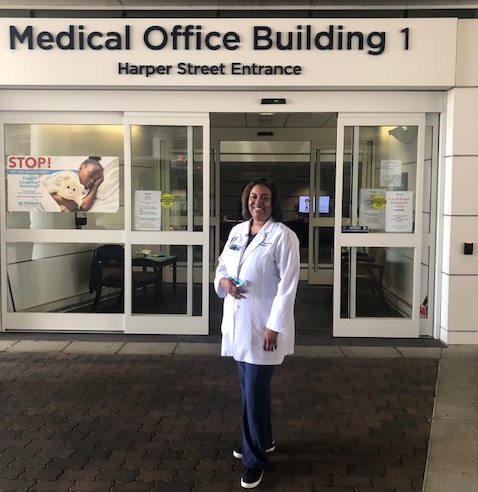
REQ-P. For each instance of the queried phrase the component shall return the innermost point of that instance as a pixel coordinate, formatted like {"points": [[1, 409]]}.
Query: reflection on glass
{"points": [[48, 277], [176, 276], [425, 287], [90, 278], [377, 282], [323, 245], [38, 152], [428, 181], [107, 274], [167, 178], [347, 178], [379, 186], [319, 208]]}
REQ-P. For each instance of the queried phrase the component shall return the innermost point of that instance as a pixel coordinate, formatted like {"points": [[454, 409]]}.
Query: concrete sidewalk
{"points": [[72, 346], [99, 415], [452, 463]]}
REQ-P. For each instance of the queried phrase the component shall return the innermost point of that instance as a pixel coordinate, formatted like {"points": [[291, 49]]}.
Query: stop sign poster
{"points": [[62, 183]]}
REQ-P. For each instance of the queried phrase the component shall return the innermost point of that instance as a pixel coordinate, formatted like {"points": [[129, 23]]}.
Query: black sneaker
{"points": [[251, 478], [237, 453]]}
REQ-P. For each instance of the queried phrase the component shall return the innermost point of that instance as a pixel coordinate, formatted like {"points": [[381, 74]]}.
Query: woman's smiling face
{"points": [[260, 203]]}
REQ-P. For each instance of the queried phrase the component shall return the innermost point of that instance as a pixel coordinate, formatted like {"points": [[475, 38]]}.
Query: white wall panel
{"points": [[463, 307], [445, 289], [449, 121], [462, 116], [461, 177], [446, 248], [448, 188], [461, 338], [467, 47]]}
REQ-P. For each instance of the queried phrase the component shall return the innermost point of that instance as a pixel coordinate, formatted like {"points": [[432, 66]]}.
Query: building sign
{"points": [[240, 52], [62, 183]]}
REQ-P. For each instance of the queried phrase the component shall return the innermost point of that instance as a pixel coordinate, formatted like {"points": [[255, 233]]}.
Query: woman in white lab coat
{"points": [[257, 276]]}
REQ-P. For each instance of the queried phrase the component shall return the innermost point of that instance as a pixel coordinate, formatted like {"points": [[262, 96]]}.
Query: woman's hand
{"points": [[232, 288], [270, 340]]}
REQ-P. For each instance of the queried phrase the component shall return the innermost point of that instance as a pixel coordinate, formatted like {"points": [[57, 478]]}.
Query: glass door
{"points": [[378, 226], [167, 224]]}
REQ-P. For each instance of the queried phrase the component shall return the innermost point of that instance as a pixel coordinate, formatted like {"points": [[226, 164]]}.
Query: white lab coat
{"points": [[270, 265]]}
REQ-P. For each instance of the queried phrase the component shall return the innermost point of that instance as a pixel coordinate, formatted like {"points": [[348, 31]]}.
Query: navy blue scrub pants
{"points": [[257, 436]]}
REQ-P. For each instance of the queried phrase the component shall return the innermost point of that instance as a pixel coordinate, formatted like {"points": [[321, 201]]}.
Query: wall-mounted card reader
{"points": [[468, 249]]}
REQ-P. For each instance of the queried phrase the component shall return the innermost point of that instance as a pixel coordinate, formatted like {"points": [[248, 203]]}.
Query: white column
{"points": [[459, 316]]}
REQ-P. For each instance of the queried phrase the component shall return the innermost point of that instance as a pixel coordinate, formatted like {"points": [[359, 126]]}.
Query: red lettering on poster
{"points": [[30, 162]]}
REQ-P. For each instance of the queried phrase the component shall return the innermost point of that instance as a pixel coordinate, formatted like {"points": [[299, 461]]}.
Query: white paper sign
{"points": [[147, 210], [399, 211], [372, 208], [391, 173]]}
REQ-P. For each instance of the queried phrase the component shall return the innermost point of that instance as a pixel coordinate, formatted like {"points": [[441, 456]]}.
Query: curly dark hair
{"points": [[275, 199], [94, 162]]}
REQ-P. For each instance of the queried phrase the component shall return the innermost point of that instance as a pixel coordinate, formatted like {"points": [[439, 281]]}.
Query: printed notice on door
{"points": [[399, 211], [147, 210], [372, 208], [391, 173]]}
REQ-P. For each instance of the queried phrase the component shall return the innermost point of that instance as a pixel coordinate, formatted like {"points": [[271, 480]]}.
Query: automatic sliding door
{"points": [[378, 253], [168, 225]]}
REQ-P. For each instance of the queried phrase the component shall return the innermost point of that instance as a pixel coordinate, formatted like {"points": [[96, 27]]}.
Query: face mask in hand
{"points": [[238, 281]]}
